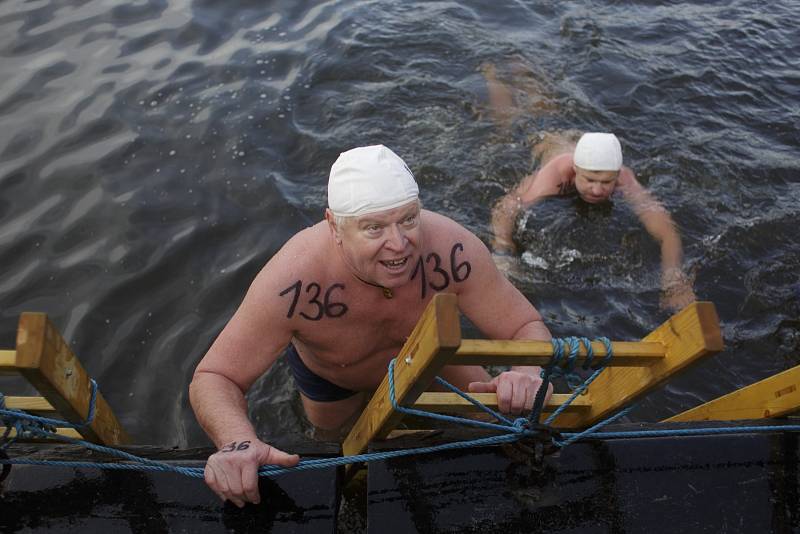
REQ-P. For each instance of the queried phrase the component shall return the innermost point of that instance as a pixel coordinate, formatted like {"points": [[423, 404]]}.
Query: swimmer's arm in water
{"points": [[555, 178], [675, 285]]}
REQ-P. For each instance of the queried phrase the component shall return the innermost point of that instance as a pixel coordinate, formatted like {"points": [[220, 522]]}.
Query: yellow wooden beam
{"points": [[34, 405], [775, 396], [687, 336], [525, 352], [431, 344], [439, 402], [46, 361], [8, 362]]}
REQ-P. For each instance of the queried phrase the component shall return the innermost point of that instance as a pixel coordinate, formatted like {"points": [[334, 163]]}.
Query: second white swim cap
{"points": [[369, 179], [598, 152]]}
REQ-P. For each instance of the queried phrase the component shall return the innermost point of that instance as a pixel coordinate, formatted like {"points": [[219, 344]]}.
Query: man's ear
{"points": [[332, 225]]}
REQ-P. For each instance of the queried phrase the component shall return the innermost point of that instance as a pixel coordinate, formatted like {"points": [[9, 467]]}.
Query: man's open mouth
{"points": [[395, 264]]}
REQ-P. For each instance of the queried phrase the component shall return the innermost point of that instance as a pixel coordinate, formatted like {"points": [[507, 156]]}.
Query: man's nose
{"points": [[397, 239]]}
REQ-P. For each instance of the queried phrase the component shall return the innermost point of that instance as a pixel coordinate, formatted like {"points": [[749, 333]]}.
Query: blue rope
{"points": [[513, 430], [555, 360], [475, 402], [580, 389], [677, 432], [24, 423], [507, 426]]}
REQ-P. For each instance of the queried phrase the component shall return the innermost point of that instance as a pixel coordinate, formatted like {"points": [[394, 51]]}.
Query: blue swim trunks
{"points": [[312, 385]]}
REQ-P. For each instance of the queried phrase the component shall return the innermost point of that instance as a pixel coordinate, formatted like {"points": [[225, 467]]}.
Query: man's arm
{"points": [[552, 179], [675, 285], [500, 311], [247, 347]]}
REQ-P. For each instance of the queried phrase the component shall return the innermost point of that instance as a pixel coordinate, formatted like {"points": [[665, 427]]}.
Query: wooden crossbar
{"points": [[453, 403], [8, 358], [37, 406], [775, 396], [525, 352], [34, 405]]}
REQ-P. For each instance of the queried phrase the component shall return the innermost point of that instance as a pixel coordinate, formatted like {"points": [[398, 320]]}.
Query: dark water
{"points": [[153, 155]]}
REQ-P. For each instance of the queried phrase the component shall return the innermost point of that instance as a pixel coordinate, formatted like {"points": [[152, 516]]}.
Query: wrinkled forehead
{"points": [[390, 215]]}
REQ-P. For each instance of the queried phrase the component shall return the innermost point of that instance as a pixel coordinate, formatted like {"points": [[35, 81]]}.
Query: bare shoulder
{"points": [[443, 232], [554, 178], [304, 250], [457, 261], [562, 161], [305, 257], [455, 254]]}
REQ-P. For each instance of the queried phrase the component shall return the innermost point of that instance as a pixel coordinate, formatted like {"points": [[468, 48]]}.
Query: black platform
{"points": [[733, 483], [56, 499]]}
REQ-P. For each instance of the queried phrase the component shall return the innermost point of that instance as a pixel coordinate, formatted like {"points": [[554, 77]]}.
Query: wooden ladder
{"points": [[45, 360], [636, 368]]}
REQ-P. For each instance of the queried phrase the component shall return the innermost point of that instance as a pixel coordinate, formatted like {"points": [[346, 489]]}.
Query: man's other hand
{"points": [[516, 391]]}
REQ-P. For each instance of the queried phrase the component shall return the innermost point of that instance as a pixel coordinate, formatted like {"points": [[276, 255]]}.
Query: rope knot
{"points": [[521, 424]]}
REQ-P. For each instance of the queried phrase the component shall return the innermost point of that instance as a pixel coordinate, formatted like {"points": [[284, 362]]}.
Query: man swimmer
{"points": [[594, 171], [344, 295]]}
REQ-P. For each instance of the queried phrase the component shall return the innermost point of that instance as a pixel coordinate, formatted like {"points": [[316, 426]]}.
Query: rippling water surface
{"points": [[155, 154]]}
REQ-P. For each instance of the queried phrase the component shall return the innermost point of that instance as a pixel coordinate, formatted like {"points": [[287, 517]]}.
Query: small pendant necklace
{"points": [[387, 291]]}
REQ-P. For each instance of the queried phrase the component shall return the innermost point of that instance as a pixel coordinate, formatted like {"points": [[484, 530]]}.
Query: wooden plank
{"points": [[46, 361], [431, 344], [528, 352], [775, 396], [68, 432], [34, 405], [687, 336], [439, 402], [8, 362]]}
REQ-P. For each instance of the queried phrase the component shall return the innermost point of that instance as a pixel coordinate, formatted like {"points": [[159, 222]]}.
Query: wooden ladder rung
{"points": [[34, 405], [438, 402], [8, 360], [41, 407], [506, 352]]}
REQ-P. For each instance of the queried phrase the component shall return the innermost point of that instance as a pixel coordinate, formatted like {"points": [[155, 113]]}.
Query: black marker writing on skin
{"points": [[232, 446], [458, 271], [325, 308]]}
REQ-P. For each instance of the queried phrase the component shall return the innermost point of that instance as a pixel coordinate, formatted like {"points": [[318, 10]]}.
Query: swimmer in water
{"points": [[339, 299], [594, 172]]}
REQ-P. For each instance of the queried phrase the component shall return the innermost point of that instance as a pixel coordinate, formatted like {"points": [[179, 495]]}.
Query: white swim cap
{"points": [[369, 179], [598, 152]]}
